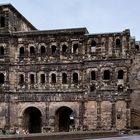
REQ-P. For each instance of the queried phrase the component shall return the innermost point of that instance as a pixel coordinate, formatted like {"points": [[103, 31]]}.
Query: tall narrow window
{"points": [[75, 48], [64, 78], [32, 79], [21, 79], [21, 52], [2, 21], [1, 51], [42, 78], [32, 51], [53, 78], [93, 75], [118, 43], [75, 77], [106, 75], [120, 74], [42, 50], [64, 49], [93, 46], [53, 49], [1, 78]]}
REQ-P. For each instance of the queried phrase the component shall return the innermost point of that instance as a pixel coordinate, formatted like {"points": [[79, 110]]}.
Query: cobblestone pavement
{"points": [[120, 138]]}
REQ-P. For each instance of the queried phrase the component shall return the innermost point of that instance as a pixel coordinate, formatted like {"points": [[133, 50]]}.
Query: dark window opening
{"points": [[93, 44], [118, 43], [93, 75], [64, 78], [53, 78], [32, 51], [137, 47], [64, 49], [2, 21], [1, 51], [43, 50], [42, 78], [75, 77], [120, 88], [106, 75], [21, 79], [75, 48], [32, 79], [120, 74], [92, 88], [53, 49], [1, 78], [21, 52]]}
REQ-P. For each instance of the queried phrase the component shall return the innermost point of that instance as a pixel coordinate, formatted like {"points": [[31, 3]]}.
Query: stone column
{"points": [[128, 116], [45, 118], [113, 115], [99, 114], [81, 114]]}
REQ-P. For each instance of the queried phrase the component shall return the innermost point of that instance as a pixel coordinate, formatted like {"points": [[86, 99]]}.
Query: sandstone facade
{"points": [[66, 80]]}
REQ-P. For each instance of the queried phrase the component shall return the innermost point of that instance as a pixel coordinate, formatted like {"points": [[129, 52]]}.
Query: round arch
{"points": [[32, 120], [135, 119], [64, 119]]}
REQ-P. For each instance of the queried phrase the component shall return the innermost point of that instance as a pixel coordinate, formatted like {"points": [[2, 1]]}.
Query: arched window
{"points": [[93, 46], [1, 50], [32, 50], [42, 50], [118, 43], [120, 74], [32, 79], [64, 78], [75, 48], [2, 78], [42, 78], [106, 75], [75, 77], [64, 49], [21, 79], [53, 49], [53, 78], [21, 51], [93, 75], [2, 21]]}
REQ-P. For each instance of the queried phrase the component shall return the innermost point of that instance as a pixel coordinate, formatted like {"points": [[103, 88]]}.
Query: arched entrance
{"points": [[135, 119], [64, 119], [32, 120]]}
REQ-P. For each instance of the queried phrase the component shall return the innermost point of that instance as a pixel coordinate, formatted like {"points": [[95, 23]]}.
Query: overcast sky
{"points": [[97, 15]]}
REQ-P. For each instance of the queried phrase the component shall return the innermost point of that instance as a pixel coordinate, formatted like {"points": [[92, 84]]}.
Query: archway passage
{"points": [[32, 120], [64, 119], [135, 119]]}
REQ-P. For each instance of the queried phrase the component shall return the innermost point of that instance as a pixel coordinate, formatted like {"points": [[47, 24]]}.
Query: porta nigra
{"points": [[66, 79]]}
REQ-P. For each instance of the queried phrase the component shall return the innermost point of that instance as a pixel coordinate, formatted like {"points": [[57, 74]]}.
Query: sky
{"points": [[98, 16]]}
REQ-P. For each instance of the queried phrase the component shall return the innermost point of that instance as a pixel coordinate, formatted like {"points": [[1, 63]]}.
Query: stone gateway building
{"points": [[65, 80]]}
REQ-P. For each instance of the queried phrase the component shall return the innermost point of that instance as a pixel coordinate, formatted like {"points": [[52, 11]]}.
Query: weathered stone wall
{"points": [[90, 116], [97, 102], [121, 115], [106, 115]]}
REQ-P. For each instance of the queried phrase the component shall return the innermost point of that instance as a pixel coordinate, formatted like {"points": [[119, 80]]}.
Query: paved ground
{"points": [[120, 138]]}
